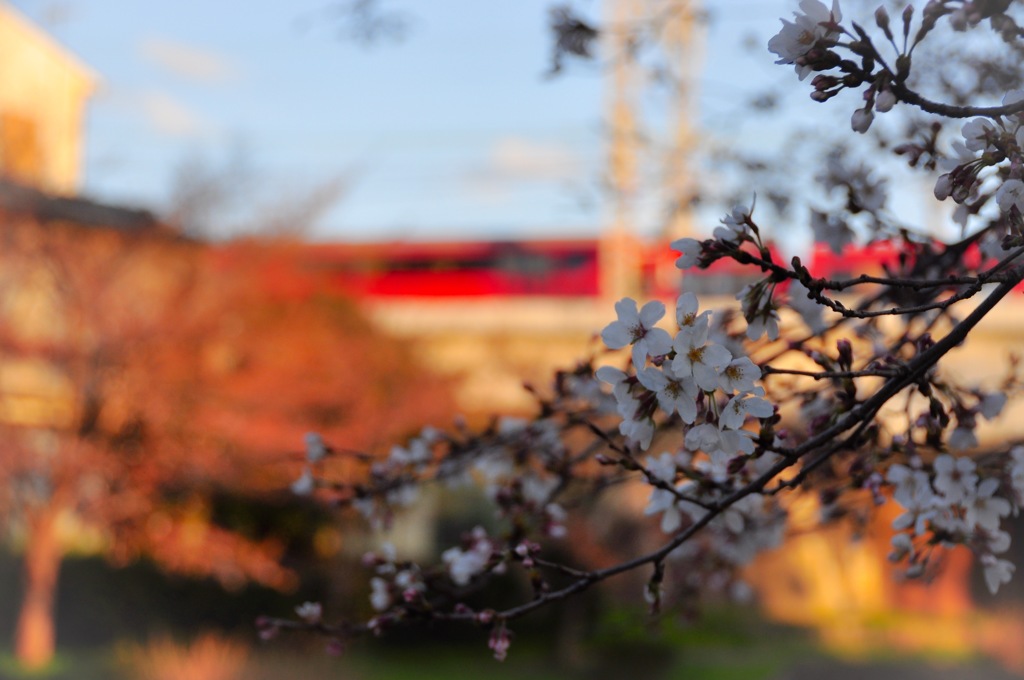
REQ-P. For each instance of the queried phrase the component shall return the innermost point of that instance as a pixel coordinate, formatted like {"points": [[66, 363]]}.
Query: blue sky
{"points": [[452, 132]]}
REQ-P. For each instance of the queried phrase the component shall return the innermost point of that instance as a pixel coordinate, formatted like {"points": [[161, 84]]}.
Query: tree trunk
{"points": [[35, 636]]}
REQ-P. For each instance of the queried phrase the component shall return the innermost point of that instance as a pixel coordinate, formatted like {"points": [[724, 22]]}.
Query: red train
{"points": [[555, 268], [460, 269]]}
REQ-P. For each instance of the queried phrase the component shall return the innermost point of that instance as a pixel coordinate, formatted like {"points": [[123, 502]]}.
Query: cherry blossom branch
{"points": [[909, 96], [858, 418], [706, 388], [916, 368], [878, 372]]}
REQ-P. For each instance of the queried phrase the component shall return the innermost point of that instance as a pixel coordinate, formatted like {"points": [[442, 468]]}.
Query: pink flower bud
{"points": [[885, 101], [500, 642], [943, 187], [310, 612], [845, 350], [268, 630], [861, 120], [882, 18]]}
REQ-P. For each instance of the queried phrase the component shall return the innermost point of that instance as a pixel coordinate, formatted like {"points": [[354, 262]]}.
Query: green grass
{"points": [[78, 665], [726, 644]]}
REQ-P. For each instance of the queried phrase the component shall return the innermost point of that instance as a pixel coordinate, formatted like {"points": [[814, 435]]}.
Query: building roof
{"points": [[47, 42], [19, 199]]}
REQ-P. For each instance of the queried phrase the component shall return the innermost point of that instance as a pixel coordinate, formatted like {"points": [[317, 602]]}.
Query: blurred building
{"points": [[43, 94]]}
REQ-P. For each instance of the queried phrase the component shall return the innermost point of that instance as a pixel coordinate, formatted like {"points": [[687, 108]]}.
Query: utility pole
{"points": [[673, 25], [619, 246], [682, 45]]}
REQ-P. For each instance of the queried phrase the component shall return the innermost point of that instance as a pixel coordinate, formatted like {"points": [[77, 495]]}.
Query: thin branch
{"points": [[909, 96], [833, 375]]}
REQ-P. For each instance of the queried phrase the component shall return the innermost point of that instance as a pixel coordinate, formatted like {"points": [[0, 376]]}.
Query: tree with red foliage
{"points": [[138, 373]]}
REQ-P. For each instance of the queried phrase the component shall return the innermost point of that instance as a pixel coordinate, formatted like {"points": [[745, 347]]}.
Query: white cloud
{"points": [[188, 61], [514, 162], [518, 158], [169, 116]]}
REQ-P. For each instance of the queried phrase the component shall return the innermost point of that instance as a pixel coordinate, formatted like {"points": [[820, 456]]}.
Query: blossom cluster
{"points": [[805, 41], [695, 378], [736, 231], [946, 503], [990, 148], [949, 503]]}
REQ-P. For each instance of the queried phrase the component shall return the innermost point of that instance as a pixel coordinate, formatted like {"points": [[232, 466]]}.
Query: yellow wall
{"points": [[43, 92]]}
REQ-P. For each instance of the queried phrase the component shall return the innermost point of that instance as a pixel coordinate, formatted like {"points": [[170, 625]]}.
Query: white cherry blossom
{"points": [[955, 479], [985, 509], [977, 133], [380, 594], [991, 405], [1013, 97], [637, 328], [305, 484], [759, 311], [672, 507], [615, 377], [914, 492], [663, 467], [736, 442], [1016, 469], [675, 393], [734, 225], [962, 438], [310, 612], [690, 250], [696, 358], [639, 431], [704, 437], [416, 453], [765, 323], [997, 572], [708, 438], [538, 490], [665, 502], [739, 376], [315, 447], [998, 541], [1010, 194], [742, 405], [687, 307], [902, 546], [403, 495], [463, 565], [798, 37]]}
